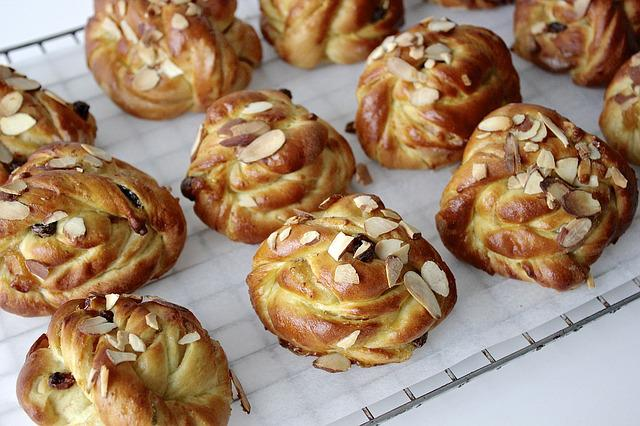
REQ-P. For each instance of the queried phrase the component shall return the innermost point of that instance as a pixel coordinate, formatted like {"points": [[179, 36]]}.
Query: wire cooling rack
{"points": [[208, 278]]}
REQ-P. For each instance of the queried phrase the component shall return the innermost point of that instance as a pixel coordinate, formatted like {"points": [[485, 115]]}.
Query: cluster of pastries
{"points": [[337, 275]]}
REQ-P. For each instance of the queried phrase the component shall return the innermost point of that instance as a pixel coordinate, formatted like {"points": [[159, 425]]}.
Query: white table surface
{"points": [[587, 378]]}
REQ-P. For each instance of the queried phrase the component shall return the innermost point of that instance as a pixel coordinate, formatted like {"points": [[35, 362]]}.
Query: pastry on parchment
{"points": [[74, 220], [536, 198], [350, 283], [125, 360], [620, 118], [306, 33], [31, 117], [159, 59], [590, 39], [258, 157], [423, 92]]}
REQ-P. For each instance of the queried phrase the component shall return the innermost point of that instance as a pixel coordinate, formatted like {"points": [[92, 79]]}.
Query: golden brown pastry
{"points": [[307, 32], [125, 360], [31, 117], [536, 198], [620, 118], [590, 39], [350, 283], [472, 4], [158, 59], [424, 91], [74, 220], [258, 157]]}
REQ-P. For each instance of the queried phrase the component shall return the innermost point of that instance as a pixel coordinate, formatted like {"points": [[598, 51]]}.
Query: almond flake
{"points": [[179, 22], [74, 228], [117, 357], [148, 55], [348, 341], [54, 217], [495, 123], [393, 268], [13, 210], [523, 135], [310, 237], [405, 39], [36, 268], [6, 156], [193, 10], [365, 203], [533, 183], [110, 300], [263, 146], [580, 7], [530, 147], [104, 380], [245, 200], [189, 338], [413, 232], [518, 119], [284, 234], [540, 135], [152, 320], [120, 341], [422, 293], [145, 79], [429, 64], [64, 162], [22, 83], [242, 396], [196, 143], [341, 242], [617, 177], [416, 52], [435, 277], [554, 129], [362, 250], [441, 26], [567, 169], [376, 226], [594, 182], [256, 127], [257, 107], [479, 171], [122, 7], [271, 240], [16, 124], [16, 187], [96, 325], [10, 103], [439, 52], [513, 183], [97, 152], [538, 28], [92, 161], [377, 53], [466, 80], [128, 32], [346, 274], [111, 29], [580, 203], [424, 96], [390, 214], [385, 248], [170, 69], [137, 344], [546, 160], [402, 69], [333, 363], [574, 232]]}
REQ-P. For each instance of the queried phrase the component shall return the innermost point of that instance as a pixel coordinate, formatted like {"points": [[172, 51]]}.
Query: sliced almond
{"points": [[170, 69], [22, 83], [6, 156], [122, 7], [145, 79], [179, 22], [257, 107], [385, 248], [584, 170], [441, 26], [581, 204], [416, 52], [194, 336], [242, 396], [580, 7], [546, 160], [10, 103], [111, 29], [284, 234], [390, 214], [196, 143], [554, 187], [424, 96], [617, 177], [518, 119], [128, 32], [341, 242], [567, 169], [271, 240], [96, 325], [193, 9], [54, 217], [110, 300], [531, 147], [137, 344], [97, 152], [245, 200], [466, 80], [496, 123], [117, 357], [376, 54], [411, 231], [422, 293], [574, 232], [538, 28], [104, 380], [120, 341], [16, 187], [376, 226], [435, 277], [36, 268], [310, 237], [64, 162], [554, 129], [333, 363], [346, 274], [13, 210], [365, 203], [256, 127], [16, 124], [438, 52], [152, 320], [594, 181], [363, 251], [512, 158], [263, 146], [479, 171], [348, 341], [74, 228], [523, 135], [92, 161], [393, 268], [513, 183], [533, 183], [402, 69], [540, 135]]}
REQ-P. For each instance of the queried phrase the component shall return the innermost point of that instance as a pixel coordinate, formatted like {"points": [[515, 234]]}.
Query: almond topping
{"points": [[333, 363], [271, 240], [496, 123], [117, 357], [348, 341], [152, 320], [13, 210], [128, 32], [546, 160], [22, 83], [16, 124], [424, 96], [257, 107], [310, 237], [179, 22], [479, 171], [64, 162], [16, 187], [413, 232], [385, 248], [393, 268], [145, 79], [284, 234], [189, 338], [10, 103], [390, 214], [435, 277], [567, 169], [54, 217], [263, 146], [554, 129], [441, 26], [376, 226], [346, 274], [96, 325], [110, 300], [363, 251], [196, 143], [422, 293], [533, 183], [137, 344], [104, 380], [339, 245], [580, 7], [580, 203], [97, 152], [74, 228], [617, 177], [402, 69], [365, 203], [531, 147], [36, 268], [574, 232], [111, 29], [171, 70]]}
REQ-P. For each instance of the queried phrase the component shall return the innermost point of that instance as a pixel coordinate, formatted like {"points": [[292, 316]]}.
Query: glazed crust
{"points": [[133, 231], [472, 4], [496, 226], [55, 121], [214, 55], [591, 46], [247, 201], [620, 118], [398, 131], [168, 383], [307, 32], [293, 289]]}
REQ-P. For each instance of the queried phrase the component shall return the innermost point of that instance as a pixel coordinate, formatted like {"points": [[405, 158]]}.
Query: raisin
{"points": [[189, 187], [287, 92], [378, 13], [369, 254], [61, 381], [44, 231], [131, 196], [350, 127], [82, 109], [556, 27], [420, 341], [108, 315]]}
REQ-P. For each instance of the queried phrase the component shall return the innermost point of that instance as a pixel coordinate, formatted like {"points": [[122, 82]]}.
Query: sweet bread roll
{"points": [[159, 59], [258, 157], [424, 91], [308, 32], [74, 220], [536, 198], [350, 283], [472, 4], [620, 118], [124, 360], [590, 39], [31, 117]]}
